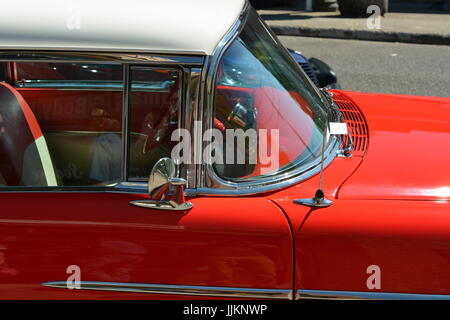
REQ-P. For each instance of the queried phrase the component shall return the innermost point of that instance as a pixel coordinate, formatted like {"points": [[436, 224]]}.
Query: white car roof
{"points": [[159, 26]]}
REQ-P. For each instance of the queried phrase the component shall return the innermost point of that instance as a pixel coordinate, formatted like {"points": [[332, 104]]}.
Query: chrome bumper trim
{"points": [[362, 295]]}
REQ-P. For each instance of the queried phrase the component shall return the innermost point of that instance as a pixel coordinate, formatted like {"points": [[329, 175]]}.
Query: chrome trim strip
{"points": [[79, 132], [96, 57], [362, 295], [197, 133], [191, 113], [120, 187], [276, 182], [178, 289], [125, 120]]}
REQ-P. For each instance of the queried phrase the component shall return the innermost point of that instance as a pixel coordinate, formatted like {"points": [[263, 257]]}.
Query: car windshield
{"points": [[259, 88]]}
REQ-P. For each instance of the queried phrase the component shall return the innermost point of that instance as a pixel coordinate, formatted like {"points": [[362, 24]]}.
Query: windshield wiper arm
{"points": [[347, 150], [332, 108]]}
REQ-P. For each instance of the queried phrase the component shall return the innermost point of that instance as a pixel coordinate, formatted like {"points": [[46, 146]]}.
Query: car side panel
{"points": [[223, 242], [407, 240]]}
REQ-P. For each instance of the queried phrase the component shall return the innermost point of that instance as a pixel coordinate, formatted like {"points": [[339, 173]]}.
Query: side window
{"points": [[154, 111], [38, 74], [61, 124]]}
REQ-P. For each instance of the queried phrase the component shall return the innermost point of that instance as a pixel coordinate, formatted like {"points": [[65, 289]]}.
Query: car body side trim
{"points": [[178, 289], [363, 295]]}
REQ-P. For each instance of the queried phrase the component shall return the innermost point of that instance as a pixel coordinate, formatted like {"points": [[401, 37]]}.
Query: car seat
{"points": [[24, 156]]}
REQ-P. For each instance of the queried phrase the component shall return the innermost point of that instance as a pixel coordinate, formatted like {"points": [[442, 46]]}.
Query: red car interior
{"points": [[274, 109], [59, 109], [70, 120], [23, 150]]}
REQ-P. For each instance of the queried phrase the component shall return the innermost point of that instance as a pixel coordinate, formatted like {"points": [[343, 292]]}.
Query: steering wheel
{"points": [[157, 134]]}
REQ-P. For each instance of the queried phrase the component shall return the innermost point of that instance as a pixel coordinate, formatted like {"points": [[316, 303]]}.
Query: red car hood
{"points": [[409, 149]]}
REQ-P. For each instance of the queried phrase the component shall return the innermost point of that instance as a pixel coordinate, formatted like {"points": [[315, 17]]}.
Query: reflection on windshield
{"points": [[259, 87]]}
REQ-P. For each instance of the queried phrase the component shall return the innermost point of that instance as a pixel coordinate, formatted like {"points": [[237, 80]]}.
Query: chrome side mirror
{"points": [[165, 190]]}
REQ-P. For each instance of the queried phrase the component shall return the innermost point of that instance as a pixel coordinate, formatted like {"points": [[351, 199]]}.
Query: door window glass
{"points": [[61, 124], [154, 110]]}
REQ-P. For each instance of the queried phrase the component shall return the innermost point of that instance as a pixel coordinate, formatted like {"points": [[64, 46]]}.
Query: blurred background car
{"points": [[318, 71]]}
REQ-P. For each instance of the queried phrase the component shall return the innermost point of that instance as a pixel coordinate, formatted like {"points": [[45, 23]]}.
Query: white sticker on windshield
{"points": [[338, 128]]}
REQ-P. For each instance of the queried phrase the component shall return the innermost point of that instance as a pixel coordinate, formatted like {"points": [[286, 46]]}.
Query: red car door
{"points": [[73, 227], [241, 245], [386, 234]]}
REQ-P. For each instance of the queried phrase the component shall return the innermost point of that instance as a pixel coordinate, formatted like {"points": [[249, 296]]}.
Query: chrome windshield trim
{"points": [[209, 183], [178, 289], [96, 57], [362, 295], [221, 187]]}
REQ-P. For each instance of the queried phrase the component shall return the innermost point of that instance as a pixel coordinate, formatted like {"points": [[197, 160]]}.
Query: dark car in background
{"points": [[318, 71]]}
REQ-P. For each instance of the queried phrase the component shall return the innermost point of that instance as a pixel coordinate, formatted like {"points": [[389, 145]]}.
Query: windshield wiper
{"points": [[332, 109]]}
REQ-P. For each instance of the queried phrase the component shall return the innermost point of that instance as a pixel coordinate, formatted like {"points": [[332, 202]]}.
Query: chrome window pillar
{"points": [[205, 178], [191, 114], [125, 120]]}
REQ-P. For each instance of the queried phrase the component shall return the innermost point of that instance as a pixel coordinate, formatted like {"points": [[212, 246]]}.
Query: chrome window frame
{"points": [[209, 182], [127, 108], [190, 68]]}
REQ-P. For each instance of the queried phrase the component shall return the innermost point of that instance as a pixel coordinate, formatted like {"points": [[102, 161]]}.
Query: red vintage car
{"points": [[183, 155]]}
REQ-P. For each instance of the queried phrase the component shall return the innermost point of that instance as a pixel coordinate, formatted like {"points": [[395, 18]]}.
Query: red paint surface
{"points": [[408, 157], [378, 218], [110, 240], [408, 238]]}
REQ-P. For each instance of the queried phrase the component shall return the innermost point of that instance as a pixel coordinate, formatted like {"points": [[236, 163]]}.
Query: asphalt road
{"points": [[381, 67]]}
